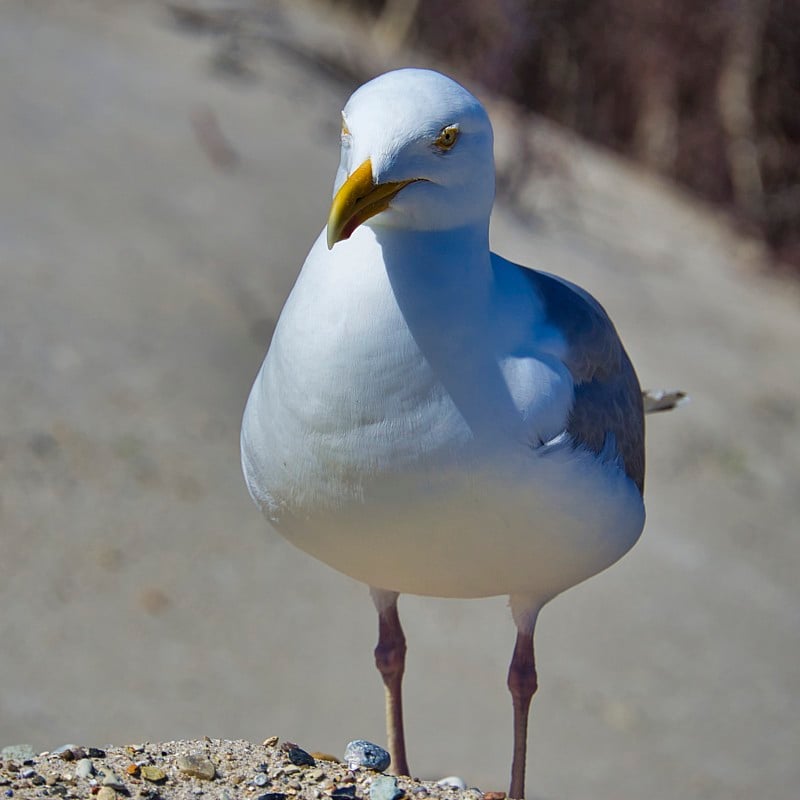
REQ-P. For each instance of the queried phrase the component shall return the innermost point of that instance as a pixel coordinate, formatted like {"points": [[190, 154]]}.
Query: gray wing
{"points": [[608, 399]]}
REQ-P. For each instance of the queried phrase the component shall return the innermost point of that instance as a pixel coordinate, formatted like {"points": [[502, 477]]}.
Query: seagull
{"points": [[430, 417]]}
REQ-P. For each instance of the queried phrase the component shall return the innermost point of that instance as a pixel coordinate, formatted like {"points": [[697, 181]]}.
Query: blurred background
{"points": [[165, 168], [705, 93]]}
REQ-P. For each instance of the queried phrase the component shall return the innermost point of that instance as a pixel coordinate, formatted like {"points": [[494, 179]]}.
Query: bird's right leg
{"points": [[390, 659], [522, 684]]}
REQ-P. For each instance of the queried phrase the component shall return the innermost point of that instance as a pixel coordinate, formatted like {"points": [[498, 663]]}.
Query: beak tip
{"points": [[343, 217]]}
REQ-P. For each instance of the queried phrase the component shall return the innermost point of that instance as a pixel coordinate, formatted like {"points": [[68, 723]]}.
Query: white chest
{"points": [[355, 385]]}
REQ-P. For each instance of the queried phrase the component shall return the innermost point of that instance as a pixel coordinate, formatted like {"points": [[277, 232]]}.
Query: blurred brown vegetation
{"points": [[707, 93]]}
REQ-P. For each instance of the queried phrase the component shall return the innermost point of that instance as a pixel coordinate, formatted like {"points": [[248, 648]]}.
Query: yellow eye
{"points": [[447, 138]]}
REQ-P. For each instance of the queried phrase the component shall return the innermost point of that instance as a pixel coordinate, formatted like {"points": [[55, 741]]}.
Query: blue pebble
{"points": [[384, 787], [366, 754]]}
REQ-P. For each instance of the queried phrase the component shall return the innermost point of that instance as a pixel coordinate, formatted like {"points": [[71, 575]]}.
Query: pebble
{"points": [[272, 796], [105, 793], [112, 780], [325, 757], [96, 752], [297, 755], [494, 796], [270, 741], [153, 774], [290, 769], [27, 773], [261, 779], [84, 768], [197, 766], [453, 781], [384, 787], [360, 753], [344, 792]]}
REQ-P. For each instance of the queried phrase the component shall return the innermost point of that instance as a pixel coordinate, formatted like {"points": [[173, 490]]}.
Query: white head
{"points": [[416, 153]]}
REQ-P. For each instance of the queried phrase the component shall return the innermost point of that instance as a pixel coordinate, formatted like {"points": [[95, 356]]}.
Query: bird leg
{"points": [[522, 685], [390, 659]]}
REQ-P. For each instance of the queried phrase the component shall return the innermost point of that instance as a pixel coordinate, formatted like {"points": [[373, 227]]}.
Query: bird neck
{"points": [[443, 284], [438, 270]]}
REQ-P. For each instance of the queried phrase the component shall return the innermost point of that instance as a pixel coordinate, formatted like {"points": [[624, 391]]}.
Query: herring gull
{"points": [[430, 417]]}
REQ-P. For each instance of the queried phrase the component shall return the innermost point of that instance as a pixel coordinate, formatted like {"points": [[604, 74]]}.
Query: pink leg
{"points": [[390, 659], [522, 684]]}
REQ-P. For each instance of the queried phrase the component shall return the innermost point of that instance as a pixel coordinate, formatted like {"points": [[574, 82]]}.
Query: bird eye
{"points": [[447, 137]]}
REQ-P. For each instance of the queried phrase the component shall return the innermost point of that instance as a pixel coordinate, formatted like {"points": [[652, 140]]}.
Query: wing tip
{"points": [[656, 400]]}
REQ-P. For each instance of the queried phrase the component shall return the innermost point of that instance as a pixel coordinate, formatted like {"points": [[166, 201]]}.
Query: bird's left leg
{"points": [[390, 659], [522, 683]]}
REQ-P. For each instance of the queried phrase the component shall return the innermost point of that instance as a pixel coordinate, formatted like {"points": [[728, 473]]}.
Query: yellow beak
{"points": [[358, 199]]}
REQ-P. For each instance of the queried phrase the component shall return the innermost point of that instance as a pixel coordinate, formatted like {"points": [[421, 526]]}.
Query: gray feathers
{"points": [[608, 399]]}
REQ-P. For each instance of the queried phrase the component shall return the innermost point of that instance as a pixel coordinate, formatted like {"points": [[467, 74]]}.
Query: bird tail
{"points": [[662, 400]]}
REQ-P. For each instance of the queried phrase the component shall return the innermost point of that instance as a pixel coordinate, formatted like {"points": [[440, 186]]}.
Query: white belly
{"points": [[404, 497], [533, 525]]}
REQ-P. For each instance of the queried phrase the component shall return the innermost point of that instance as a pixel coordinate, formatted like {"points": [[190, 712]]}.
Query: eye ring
{"points": [[447, 137]]}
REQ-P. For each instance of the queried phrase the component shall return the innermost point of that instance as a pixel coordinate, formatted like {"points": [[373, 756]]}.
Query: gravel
{"points": [[216, 769]]}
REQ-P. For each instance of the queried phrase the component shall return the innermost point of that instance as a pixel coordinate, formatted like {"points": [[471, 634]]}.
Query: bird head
{"points": [[416, 153]]}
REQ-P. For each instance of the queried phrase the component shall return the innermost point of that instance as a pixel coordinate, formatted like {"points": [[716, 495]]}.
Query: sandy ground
{"points": [[144, 256], [216, 769]]}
